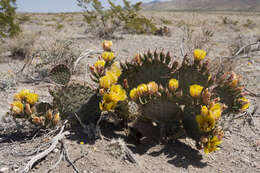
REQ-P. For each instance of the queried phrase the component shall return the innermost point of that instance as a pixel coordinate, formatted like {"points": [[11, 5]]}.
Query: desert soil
{"points": [[240, 150]]}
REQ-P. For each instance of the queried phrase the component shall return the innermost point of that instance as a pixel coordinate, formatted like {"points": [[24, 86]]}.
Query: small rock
{"points": [[56, 150], [4, 170]]}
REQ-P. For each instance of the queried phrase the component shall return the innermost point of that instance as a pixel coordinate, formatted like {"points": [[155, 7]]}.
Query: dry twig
{"points": [[43, 154]]}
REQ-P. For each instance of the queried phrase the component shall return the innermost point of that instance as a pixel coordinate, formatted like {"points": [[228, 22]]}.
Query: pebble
{"points": [[4, 170]]}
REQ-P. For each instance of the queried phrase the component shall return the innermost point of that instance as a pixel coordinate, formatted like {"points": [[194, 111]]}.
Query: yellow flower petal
{"points": [[133, 94], [31, 98], [17, 107], [204, 110], [173, 84], [205, 123], [195, 90], [141, 90], [244, 102], [100, 63], [199, 54], [105, 82], [108, 56], [152, 87], [215, 111]]}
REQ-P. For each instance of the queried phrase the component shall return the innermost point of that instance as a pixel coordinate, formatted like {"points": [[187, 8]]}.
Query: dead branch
{"points": [[244, 47], [43, 154], [85, 54]]}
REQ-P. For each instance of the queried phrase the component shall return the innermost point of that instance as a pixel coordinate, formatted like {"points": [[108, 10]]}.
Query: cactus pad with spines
{"points": [[147, 67], [69, 98], [60, 74]]}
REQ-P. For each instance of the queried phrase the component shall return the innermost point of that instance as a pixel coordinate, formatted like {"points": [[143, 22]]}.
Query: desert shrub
{"points": [[22, 18], [201, 39], [22, 45], [106, 21], [8, 26], [165, 21]]}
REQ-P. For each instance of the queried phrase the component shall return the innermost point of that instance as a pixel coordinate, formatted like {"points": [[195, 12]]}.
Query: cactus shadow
{"points": [[181, 155]]}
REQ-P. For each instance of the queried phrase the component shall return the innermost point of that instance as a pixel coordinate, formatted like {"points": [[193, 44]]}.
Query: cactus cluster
{"points": [[25, 105], [156, 90], [152, 91]]}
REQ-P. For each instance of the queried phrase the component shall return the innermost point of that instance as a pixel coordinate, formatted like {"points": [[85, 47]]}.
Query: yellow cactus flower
{"points": [[109, 102], [21, 95], [113, 75], [199, 54], [233, 83], [173, 84], [212, 145], [245, 103], [152, 87], [48, 114], [31, 98], [107, 106], [115, 68], [107, 45], [195, 90], [133, 94], [108, 56], [205, 123], [17, 107], [141, 90], [105, 82], [215, 111], [100, 63], [56, 119], [204, 111], [119, 91], [17, 97]]}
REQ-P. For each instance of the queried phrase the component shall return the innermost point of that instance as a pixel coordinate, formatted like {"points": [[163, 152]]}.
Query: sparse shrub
{"points": [[228, 21], [163, 31], [197, 40], [106, 22], [166, 21], [249, 24], [8, 26], [22, 45], [24, 18], [59, 26]]}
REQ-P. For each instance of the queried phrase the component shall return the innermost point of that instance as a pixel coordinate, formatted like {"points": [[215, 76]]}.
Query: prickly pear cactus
{"points": [[60, 74], [27, 106], [71, 97], [147, 67], [175, 99]]}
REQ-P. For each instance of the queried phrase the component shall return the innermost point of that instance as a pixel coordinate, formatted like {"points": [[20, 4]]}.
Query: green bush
{"points": [[106, 21], [8, 26]]}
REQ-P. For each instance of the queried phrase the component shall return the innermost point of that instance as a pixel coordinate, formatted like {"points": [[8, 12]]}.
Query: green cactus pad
{"points": [[69, 98], [152, 67], [60, 74], [188, 75], [43, 107]]}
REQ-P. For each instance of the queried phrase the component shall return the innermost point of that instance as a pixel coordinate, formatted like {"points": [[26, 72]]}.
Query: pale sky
{"points": [[53, 5]]}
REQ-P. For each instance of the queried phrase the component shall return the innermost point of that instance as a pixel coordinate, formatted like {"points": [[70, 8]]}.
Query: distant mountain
{"points": [[238, 5]]}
